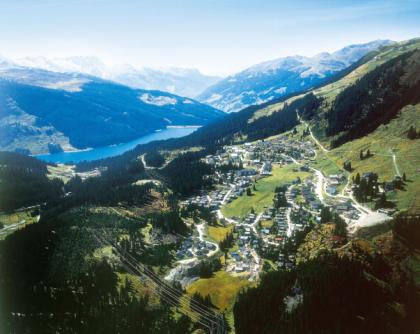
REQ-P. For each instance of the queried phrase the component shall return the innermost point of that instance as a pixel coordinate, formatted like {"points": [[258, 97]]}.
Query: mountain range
{"points": [[48, 103], [43, 111], [115, 240], [180, 81], [272, 79]]}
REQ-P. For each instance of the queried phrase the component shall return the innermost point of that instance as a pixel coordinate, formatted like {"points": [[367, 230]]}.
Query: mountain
{"points": [[317, 106], [357, 133], [179, 81], [272, 79], [43, 111]]}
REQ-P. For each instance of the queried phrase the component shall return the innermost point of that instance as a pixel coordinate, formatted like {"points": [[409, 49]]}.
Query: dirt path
{"points": [[368, 217], [394, 161]]}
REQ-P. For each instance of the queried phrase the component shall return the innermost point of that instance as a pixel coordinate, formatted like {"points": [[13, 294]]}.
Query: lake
{"points": [[113, 150]]}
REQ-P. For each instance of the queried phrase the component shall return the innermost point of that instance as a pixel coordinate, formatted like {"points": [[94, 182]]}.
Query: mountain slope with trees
{"points": [[359, 292], [43, 111]]}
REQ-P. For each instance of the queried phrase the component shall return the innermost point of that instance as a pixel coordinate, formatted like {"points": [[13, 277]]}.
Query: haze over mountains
{"points": [[48, 104], [271, 79], [180, 81]]}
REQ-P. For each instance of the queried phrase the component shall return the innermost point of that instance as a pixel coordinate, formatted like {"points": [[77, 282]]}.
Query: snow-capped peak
{"points": [[181, 81], [270, 79]]}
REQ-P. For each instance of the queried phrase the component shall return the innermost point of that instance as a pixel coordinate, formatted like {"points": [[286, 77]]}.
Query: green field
{"points": [[218, 233], [264, 194], [266, 223], [222, 289], [61, 171]]}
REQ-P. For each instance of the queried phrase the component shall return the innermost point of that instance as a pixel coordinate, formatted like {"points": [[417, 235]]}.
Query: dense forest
{"points": [[154, 159], [40, 295], [24, 182], [115, 185], [186, 173]]}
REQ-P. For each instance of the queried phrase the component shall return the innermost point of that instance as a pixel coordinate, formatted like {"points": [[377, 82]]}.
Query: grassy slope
{"points": [[265, 192], [222, 288], [384, 141], [218, 233], [62, 172], [330, 91]]}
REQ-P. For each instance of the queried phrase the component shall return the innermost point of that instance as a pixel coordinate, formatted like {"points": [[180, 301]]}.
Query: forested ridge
{"points": [[25, 178], [375, 98], [338, 295], [36, 298]]}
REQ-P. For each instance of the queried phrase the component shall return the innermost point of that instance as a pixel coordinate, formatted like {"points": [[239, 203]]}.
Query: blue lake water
{"points": [[113, 150]]}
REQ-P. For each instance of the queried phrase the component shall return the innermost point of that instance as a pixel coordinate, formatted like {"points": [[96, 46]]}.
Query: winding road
{"points": [[367, 217]]}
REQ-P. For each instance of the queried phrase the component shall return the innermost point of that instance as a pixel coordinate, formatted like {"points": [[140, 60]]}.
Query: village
{"points": [[270, 232]]}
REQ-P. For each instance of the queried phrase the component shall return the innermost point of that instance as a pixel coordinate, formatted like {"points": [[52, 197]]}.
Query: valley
{"points": [[253, 222]]}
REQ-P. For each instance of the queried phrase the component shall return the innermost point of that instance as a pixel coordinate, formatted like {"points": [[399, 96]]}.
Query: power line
{"points": [[206, 317]]}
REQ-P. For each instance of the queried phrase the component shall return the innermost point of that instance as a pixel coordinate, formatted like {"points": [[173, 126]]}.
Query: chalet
{"points": [[266, 168], [304, 168], [236, 256], [389, 186], [331, 189], [246, 172], [315, 205], [368, 175]]}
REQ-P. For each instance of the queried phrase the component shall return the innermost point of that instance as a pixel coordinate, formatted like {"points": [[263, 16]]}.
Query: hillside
{"points": [[372, 107], [26, 178], [273, 79], [270, 118], [43, 111], [370, 285], [236, 224]]}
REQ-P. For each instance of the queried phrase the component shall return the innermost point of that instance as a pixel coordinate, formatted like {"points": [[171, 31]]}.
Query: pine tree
{"points": [[412, 133], [404, 177], [325, 215], [357, 179], [347, 166], [381, 203], [368, 153], [361, 155]]}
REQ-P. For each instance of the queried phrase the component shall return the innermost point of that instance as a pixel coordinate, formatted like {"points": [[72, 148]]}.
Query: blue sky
{"points": [[215, 36]]}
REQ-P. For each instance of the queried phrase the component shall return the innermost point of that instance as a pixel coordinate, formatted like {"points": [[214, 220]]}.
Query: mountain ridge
{"points": [[39, 107], [268, 80], [180, 81]]}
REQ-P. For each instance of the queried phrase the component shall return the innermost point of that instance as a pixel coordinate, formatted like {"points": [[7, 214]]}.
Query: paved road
{"points": [[367, 217]]}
